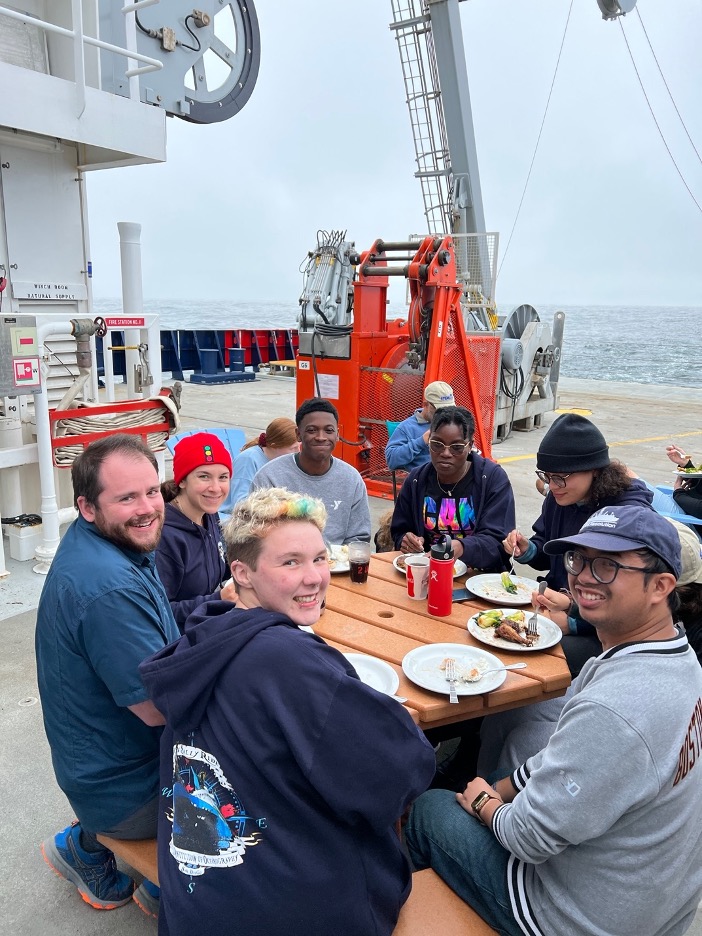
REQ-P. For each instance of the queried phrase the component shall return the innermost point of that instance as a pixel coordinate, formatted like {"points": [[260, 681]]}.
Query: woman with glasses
{"points": [[573, 459], [458, 492]]}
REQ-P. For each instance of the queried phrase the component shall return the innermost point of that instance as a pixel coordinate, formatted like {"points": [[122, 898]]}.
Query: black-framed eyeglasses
{"points": [[553, 480], [604, 570], [456, 448]]}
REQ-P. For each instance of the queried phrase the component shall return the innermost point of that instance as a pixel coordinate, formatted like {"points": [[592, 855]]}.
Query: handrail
{"points": [[80, 39]]}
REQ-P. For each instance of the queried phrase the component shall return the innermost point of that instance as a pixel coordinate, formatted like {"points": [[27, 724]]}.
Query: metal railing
{"points": [[80, 40]]}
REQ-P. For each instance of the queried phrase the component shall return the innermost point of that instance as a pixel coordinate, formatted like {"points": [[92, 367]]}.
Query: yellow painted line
{"points": [[665, 438], [514, 458], [578, 412]]}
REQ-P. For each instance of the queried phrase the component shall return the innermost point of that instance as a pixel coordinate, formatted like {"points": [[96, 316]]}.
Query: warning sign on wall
{"points": [[26, 371]]}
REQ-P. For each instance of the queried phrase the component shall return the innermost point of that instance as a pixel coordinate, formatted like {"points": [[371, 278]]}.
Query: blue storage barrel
{"points": [[236, 360], [208, 360]]}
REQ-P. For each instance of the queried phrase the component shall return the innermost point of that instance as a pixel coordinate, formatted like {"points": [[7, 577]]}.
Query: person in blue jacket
{"points": [[457, 492], [408, 446], [573, 459], [190, 557], [282, 774], [280, 438]]}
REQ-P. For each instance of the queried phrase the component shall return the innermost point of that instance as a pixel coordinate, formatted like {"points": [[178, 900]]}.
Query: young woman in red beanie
{"points": [[190, 557]]}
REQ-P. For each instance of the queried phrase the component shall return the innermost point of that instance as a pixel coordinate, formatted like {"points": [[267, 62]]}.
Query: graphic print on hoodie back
{"points": [[209, 819]]}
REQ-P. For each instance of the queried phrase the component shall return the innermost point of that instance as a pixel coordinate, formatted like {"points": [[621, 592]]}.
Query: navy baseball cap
{"points": [[618, 529]]}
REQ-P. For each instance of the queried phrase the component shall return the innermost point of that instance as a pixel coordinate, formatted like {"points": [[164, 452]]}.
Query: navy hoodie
{"points": [[282, 775], [493, 502], [191, 561]]}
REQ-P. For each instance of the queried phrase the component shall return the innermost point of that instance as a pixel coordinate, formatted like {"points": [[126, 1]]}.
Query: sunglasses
{"points": [[456, 448]]}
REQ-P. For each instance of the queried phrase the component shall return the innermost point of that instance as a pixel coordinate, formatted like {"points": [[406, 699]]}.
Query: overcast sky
{"points": [[325, 142]]}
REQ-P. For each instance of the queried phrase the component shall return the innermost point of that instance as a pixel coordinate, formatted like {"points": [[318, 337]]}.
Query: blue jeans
{"points": [[441, 835]]}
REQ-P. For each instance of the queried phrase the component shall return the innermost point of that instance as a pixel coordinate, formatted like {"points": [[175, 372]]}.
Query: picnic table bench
{"points": [[432, 906]]}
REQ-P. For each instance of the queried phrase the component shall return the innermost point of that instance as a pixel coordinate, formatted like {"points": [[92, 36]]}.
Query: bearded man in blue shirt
{"points": [[102, 611]]}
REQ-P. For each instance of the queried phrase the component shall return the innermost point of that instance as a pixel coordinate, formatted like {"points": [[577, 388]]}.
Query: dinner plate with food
{"points": [[692, 472], [503, 588], [374, 672], [506, 629], [459, 567], [338, 558], [426, 666]]}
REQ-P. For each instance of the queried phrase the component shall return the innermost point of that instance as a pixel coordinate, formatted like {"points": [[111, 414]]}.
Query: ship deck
{"points": [[637, 420]]}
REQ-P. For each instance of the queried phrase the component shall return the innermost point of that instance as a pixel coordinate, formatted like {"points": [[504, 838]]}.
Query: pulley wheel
{"points": [[212, 100]]}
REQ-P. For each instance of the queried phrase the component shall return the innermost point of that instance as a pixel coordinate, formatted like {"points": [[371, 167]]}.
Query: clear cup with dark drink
{"points": [[359, 560]]}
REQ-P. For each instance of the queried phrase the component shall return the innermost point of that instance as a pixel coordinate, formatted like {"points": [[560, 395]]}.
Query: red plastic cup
{"points": [[417, 568]]}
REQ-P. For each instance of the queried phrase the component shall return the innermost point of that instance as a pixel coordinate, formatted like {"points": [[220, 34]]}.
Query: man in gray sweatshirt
{"points": [[600, 833], [314, 471]]}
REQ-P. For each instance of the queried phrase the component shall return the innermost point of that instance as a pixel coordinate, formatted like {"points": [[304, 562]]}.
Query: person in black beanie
{"points": [[573, 459]]}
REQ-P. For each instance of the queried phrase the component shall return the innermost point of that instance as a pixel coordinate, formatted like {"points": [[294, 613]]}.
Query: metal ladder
{"points": [[412, 27]]}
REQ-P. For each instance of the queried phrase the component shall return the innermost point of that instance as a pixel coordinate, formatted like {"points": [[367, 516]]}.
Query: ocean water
{"points": [[650, 344]]}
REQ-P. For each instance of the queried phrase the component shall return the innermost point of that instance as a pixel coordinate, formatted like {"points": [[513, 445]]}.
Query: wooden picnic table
{"points": [[378, 618]]}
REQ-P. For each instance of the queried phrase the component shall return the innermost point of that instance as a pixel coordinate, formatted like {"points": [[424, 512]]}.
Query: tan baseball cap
{"points": [[439, 394], [691, 554]]}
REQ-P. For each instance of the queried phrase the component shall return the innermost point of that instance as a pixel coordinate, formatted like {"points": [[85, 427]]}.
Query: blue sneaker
{"points": [[147, 897], [95, 875]]}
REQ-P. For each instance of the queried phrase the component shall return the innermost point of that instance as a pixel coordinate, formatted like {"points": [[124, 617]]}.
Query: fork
{"points": [[512, 570], [532, 629], [451, 679]]}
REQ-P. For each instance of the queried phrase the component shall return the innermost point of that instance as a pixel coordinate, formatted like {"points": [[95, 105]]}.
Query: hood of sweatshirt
{"points": [[180, 678]]}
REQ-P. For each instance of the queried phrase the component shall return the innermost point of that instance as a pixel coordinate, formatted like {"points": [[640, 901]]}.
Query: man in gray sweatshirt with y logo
{"points": [[601, 831], [314, 471]]}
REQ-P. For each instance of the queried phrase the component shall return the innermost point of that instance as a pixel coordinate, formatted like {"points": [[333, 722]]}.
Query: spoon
{"points": [[494, 669]]}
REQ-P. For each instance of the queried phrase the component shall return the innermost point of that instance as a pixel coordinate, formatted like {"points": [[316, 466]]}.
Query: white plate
{"points": [[339, 561], [374, 672], [423, 666], [687, 474], [459, 567], [491, 588], [549, 634]]}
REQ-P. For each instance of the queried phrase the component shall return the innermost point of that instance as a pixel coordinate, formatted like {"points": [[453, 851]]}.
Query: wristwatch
{"points": [[480, 800]]}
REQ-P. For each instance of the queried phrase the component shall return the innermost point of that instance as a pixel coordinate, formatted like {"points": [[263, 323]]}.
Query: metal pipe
{"points": [[367, 270], [154, 64], [382, 245], [396, 257], [51, 538], [132, 296], [10, 486], [78, 56], [557, 341]]}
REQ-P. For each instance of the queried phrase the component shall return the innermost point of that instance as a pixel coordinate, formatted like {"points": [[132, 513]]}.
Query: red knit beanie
{"points": [[203, 448]]}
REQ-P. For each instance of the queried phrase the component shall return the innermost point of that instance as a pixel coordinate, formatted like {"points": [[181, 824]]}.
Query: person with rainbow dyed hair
{"points": [[282, 774]]}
